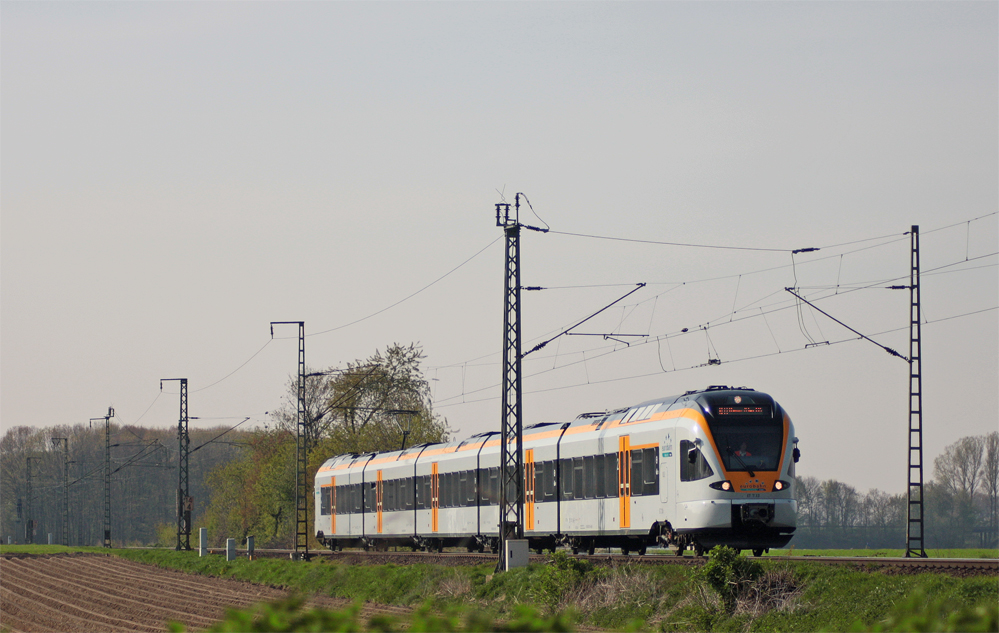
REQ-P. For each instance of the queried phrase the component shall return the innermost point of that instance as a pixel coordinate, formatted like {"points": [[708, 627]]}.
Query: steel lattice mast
{"points": [[184, 502], [915, 545], [65, 487], [302, 492], [511, 517], [107, 477]]}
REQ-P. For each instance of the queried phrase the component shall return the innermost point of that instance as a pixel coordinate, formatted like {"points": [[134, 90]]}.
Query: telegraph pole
{"points": [[184, 501], [301, 452], [915, 547], [65, 498]]}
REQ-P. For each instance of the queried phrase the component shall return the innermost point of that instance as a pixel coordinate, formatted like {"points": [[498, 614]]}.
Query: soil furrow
{"points": [[101, 593], [188, 584], [142, 592], [93, 620]]}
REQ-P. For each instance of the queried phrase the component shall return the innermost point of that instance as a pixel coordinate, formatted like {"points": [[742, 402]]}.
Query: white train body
{"points": [[702, 469]]}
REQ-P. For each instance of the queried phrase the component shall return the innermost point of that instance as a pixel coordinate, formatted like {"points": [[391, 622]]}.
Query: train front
{"points": [[748, 497]]}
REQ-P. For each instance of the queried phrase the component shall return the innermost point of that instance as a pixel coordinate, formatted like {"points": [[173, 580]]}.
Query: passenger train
{"points": [[706, 468]]}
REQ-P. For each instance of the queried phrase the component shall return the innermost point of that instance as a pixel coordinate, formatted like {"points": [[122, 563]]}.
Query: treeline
{"points": [[959, 505], [242, 483], [144, 481]]}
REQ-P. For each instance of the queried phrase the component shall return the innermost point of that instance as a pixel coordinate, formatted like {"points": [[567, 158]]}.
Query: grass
{"points": [[887, 553], [780, 596]]}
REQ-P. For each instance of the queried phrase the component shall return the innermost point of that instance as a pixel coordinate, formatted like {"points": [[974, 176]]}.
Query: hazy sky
{"points": [[177, 175]]}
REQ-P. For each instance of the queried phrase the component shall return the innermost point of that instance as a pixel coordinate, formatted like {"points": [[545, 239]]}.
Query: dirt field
{"points": [[88, 592]]}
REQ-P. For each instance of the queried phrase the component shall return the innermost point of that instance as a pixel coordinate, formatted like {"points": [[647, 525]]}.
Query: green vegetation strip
{"points": [[729, 593]]}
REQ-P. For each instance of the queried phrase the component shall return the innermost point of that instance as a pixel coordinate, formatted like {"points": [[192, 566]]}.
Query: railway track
{"points": [[952, 566]]}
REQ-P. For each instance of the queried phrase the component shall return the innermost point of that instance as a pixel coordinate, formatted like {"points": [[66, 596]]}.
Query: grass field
{"points": [[887, 553], [778, 596]]}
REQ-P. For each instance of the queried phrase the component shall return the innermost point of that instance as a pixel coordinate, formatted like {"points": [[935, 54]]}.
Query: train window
{"points": [[549, 480], [324, 500], [470, 488], [565, 468], [650, 471], [700, 469], [589, 475], [369, 496], [611, 474], [636, 473], [494, 486], [577, 478], [599, 478]]}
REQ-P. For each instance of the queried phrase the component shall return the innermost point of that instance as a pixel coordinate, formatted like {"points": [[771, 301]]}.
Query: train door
{"points": [[529, 489], [435, 497], [624, 479], [333, 506], [665, 455], [378, 502]]}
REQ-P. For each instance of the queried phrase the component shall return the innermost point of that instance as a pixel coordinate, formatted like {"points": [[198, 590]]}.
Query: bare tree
{"points": [[959, 468], [990, 475]]}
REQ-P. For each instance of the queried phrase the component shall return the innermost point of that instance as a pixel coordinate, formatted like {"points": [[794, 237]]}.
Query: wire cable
{"points": [[407, 298]]}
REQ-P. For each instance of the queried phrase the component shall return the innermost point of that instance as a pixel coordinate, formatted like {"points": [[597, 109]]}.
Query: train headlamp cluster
{"points": [[722, 485], [781, 485]]}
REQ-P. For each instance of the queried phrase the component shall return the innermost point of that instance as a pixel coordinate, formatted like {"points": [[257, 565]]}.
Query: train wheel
{"points": [[591, 549], [641, 550], [698, 550], [757, 552], [625, 551]]}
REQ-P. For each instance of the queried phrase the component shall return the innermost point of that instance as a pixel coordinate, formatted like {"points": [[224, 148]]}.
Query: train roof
{"points": [[359, 459]]}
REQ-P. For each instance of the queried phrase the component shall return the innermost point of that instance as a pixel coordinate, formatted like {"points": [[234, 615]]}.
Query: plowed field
{"points": [[87, 592]]}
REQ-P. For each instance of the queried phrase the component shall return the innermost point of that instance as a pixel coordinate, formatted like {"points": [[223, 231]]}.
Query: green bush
{"points": [[729, 574], [561, 575]]}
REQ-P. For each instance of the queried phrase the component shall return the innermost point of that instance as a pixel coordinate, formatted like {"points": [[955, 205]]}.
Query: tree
{"points": [[372, 405], [839, 503], [990, 474]]}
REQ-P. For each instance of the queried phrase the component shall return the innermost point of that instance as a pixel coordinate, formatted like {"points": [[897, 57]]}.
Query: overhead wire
{"points": [[410, 296]]}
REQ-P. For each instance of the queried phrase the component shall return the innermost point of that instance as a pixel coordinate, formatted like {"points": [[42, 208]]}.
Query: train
{"points": [[705, 468]]}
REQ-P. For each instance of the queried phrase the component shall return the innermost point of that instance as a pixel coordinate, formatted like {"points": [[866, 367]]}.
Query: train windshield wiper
{"points": [[742, 463]]}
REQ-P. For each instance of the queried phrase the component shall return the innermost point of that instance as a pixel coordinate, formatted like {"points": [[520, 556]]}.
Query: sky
{"points": [[175, 176]]}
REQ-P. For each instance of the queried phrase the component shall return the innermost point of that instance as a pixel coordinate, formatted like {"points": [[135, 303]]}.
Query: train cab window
{"points": [[748, 438], [700, 469]]}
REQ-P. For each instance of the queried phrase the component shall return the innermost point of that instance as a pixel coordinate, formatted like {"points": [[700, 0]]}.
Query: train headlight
{"points": [[781, 485], [725, 486]]}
